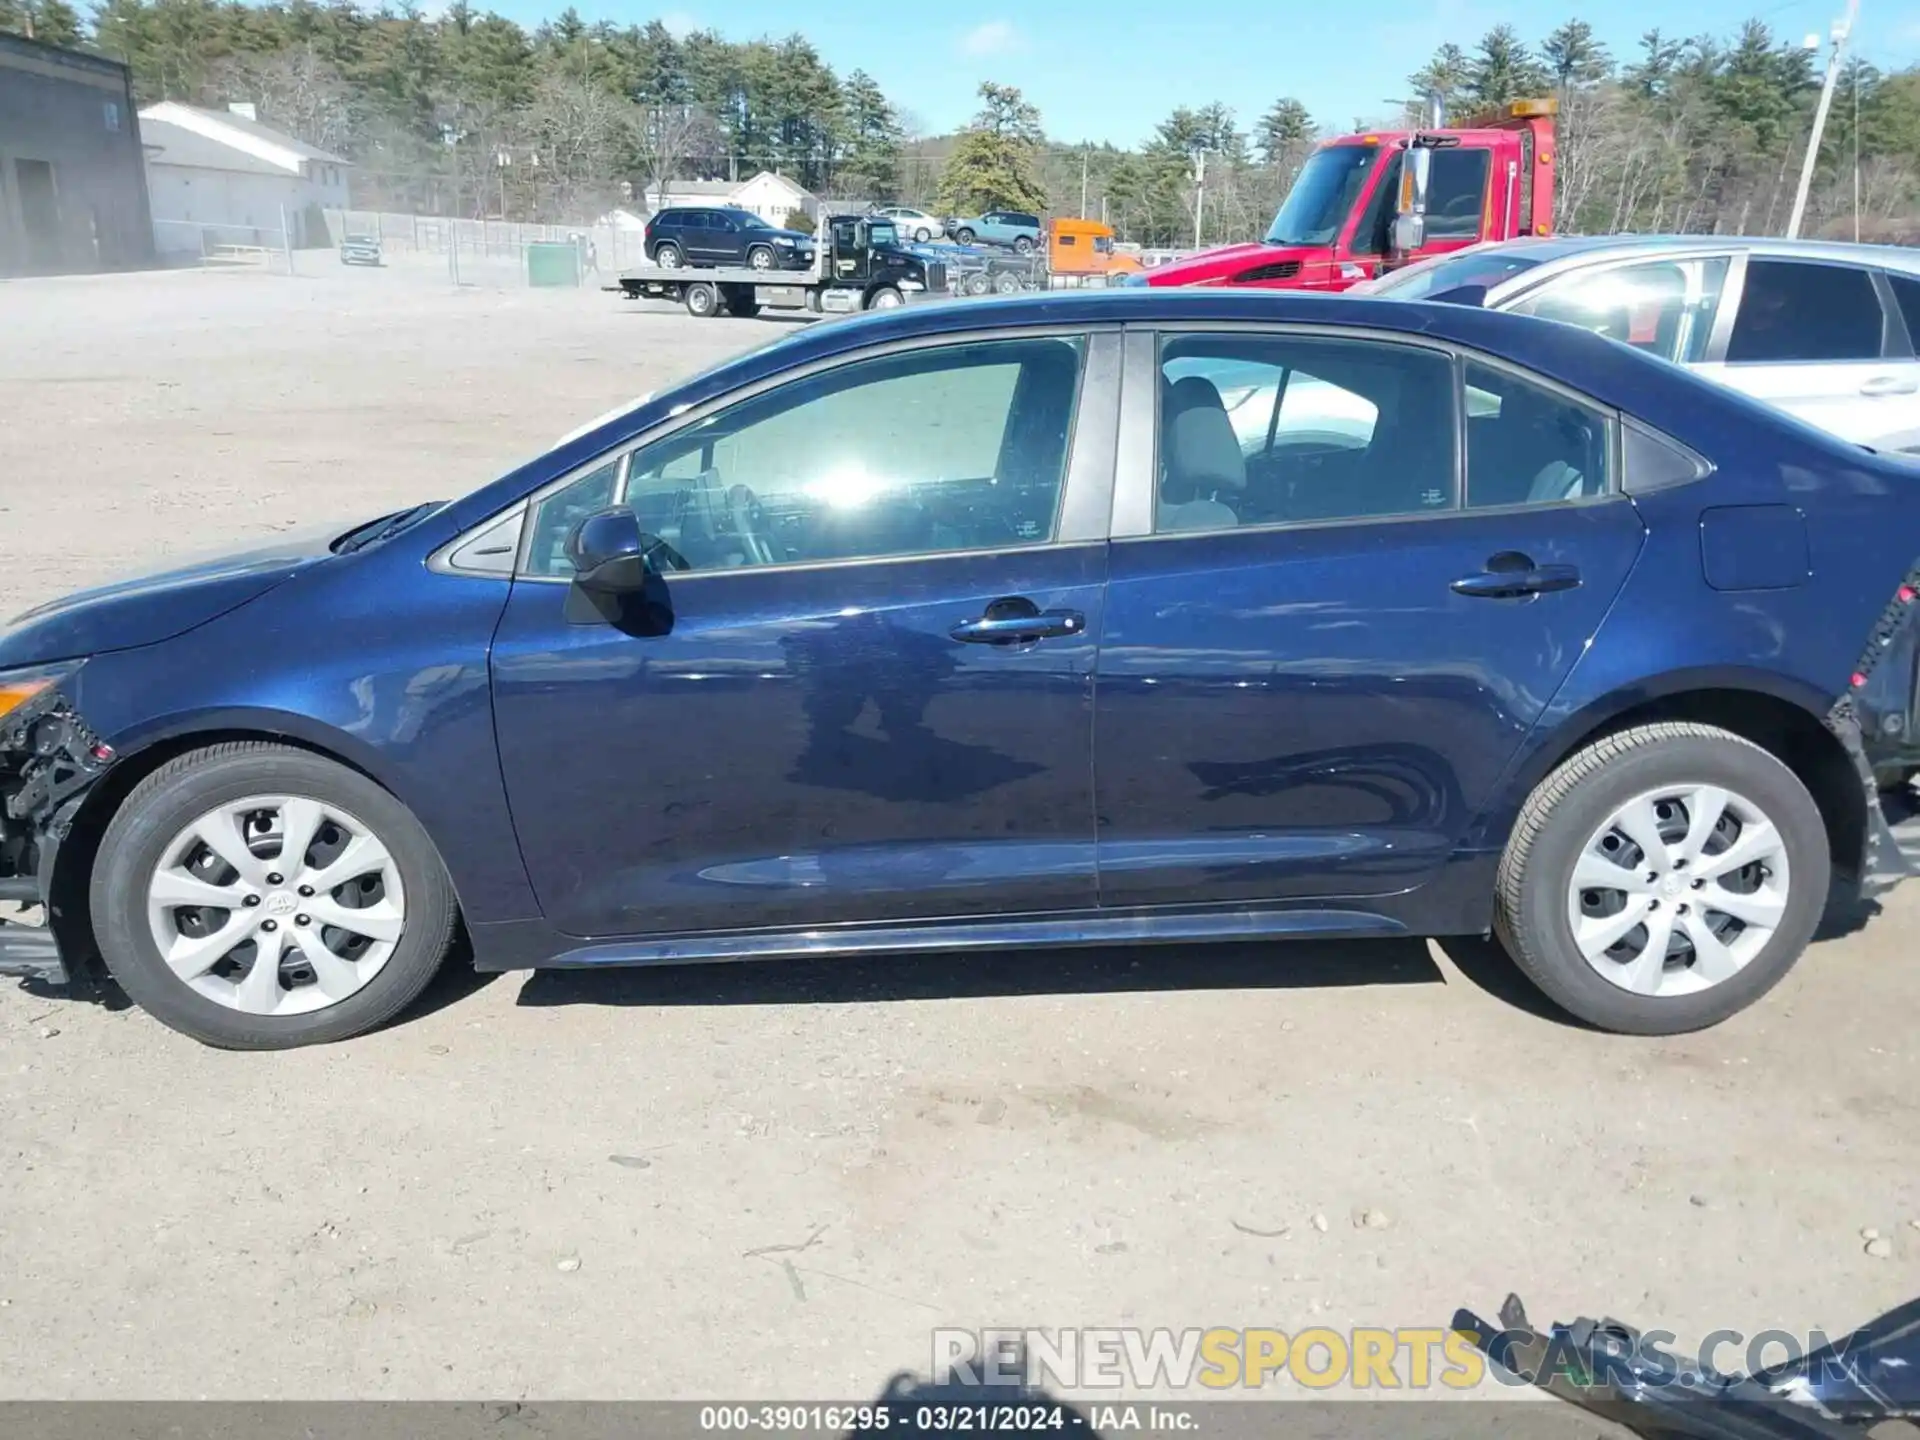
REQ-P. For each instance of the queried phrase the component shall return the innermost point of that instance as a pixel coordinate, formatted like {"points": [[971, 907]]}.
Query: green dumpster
{"points": [[553, 263]]}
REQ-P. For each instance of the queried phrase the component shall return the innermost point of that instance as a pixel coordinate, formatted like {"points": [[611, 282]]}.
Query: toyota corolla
{"points": [[1058, 620]]}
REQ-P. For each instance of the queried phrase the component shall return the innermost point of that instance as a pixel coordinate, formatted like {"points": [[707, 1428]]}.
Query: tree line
{"points": [[471, 113]]}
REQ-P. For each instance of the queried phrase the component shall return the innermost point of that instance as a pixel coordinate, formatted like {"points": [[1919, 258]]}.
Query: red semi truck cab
{"points": [[1367, 203]]}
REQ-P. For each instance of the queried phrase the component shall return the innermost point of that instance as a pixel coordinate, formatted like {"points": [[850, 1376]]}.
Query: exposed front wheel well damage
{"points": [[67, 914], [1790, 733]]}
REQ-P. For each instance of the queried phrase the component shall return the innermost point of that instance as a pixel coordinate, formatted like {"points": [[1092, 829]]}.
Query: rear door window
{"points": [[1795, 311], [1906, 294]]}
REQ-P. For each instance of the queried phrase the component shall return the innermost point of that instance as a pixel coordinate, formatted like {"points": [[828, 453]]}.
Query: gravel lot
{"points": [[775, 1181]]}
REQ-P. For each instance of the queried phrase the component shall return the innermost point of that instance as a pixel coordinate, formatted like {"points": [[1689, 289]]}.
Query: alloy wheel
{"points": [[276, 905], [1678, 890]]}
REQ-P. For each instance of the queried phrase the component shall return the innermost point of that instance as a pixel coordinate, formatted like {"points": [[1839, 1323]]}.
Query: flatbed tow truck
{"points": [[858, 264]]}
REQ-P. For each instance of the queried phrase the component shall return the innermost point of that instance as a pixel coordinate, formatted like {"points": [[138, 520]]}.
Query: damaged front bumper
{"points": [[1832, 1391], [48, 760]]}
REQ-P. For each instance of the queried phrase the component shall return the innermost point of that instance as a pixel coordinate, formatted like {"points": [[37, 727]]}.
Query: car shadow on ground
{"points": [[1102, 970]]}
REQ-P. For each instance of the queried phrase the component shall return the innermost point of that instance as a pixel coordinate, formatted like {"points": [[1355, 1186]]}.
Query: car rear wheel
{"points": [[922, 235], [1663, 878], [668, 256], [1022, 245], [760, 257], [963, 235], [258, 897]]}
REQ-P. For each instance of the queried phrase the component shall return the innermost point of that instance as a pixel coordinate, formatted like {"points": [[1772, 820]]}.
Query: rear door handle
{"points": [[1508, 584], [1891, 385], [1010, 621]]}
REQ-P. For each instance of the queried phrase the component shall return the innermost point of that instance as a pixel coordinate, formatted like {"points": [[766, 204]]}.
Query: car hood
{"points": [[1230, 264], [158, 606], [798, 237]]}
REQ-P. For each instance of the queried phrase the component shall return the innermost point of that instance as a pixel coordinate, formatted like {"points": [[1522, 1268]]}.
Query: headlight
{"points": [[783, 240], [17, 687]]}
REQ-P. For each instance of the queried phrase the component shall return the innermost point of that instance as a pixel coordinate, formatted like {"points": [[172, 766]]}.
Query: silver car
{"points": [[1826, 331]]}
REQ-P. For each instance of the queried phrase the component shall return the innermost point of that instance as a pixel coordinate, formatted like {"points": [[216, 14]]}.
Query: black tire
{"points": [[669, 256], [1564, 811], [760, 257], [963, 236], [190, 785], [1022, 245], [703, 301], [884, 297], [743, 307], [922, 235]]}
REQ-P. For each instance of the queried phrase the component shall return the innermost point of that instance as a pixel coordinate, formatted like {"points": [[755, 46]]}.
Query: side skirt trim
{"points": [[1074, 928]]}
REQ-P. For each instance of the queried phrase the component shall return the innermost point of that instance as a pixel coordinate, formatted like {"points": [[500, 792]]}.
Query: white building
{"points": [[772, 197], [217, 177]]}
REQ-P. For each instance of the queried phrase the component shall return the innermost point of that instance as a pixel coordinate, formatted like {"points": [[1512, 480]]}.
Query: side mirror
{"points": [[1474, 295], [1410, 205], [609, 553]]}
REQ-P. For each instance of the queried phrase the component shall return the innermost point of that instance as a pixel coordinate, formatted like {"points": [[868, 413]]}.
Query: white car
{"points": [[914, 225], [1827, 332]]}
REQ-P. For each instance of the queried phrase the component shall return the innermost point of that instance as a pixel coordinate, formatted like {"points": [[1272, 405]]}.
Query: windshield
{"points": [[753, 222], [1321, 199], [882, 232], [1417, 282]]}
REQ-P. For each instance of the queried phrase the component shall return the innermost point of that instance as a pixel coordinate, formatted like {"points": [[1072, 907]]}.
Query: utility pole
{"points": [[1199, 192], [1841, 30], [1083, 184]]}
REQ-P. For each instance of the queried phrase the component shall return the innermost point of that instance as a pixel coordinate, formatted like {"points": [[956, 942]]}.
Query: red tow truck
{"points": [[1367, 203]]}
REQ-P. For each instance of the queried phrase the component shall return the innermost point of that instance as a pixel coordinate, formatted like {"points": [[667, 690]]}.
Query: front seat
{"points": [[1201, 460]]}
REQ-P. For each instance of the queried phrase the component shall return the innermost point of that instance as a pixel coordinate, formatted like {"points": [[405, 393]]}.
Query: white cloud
{"points": [[679, 24], [995, 37]]}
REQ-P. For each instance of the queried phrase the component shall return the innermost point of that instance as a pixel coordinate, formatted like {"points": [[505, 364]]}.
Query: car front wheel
{"points": [[258, 897], [1663, 878]]}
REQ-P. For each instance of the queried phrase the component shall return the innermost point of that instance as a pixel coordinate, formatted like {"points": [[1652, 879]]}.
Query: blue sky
{"points": [[1109, 70]]}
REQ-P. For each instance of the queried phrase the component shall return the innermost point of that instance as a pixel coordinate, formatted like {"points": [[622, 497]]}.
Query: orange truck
{"points": [[1085, 248]]}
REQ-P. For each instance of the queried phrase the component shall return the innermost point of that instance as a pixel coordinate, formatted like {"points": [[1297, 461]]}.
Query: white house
{"points": [[772, 197], [221, 177]]}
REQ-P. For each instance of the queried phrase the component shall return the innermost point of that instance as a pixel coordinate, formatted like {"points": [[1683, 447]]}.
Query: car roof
{"points": [[1594, 248], [1612, 373]]}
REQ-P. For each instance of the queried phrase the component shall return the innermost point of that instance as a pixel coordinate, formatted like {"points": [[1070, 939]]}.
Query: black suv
{"points": [[724, 236]]}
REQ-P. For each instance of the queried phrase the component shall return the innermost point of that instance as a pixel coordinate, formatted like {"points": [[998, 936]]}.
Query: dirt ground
{"points": [[776, 1181]]}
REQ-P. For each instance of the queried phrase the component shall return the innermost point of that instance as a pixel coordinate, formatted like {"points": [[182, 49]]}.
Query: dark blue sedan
{"points": [[1172, 615]]}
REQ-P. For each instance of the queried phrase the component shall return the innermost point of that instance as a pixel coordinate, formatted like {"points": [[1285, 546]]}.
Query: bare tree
{"points": [[668, 135]]}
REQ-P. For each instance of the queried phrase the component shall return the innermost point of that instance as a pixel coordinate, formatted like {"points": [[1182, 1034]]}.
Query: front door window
{"points": [[961, 447], [1665, 307]]}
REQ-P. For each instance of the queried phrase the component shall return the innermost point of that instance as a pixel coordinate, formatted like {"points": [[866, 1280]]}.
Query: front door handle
{"points": [[1505, 584], [1891, 385], [1016, 619]]}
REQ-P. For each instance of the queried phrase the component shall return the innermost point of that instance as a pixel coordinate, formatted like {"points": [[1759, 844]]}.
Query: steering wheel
{"points": [[657, 550], [743, 508]]}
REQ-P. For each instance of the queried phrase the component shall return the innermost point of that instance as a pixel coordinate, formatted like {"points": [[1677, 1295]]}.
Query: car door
{"points": [[1903, 382], [1322, 643], [1819, 339], [721, 237], [867, 696]]}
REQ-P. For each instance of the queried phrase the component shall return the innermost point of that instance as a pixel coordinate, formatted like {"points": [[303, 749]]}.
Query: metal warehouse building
{"points": [[73, 181]]}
